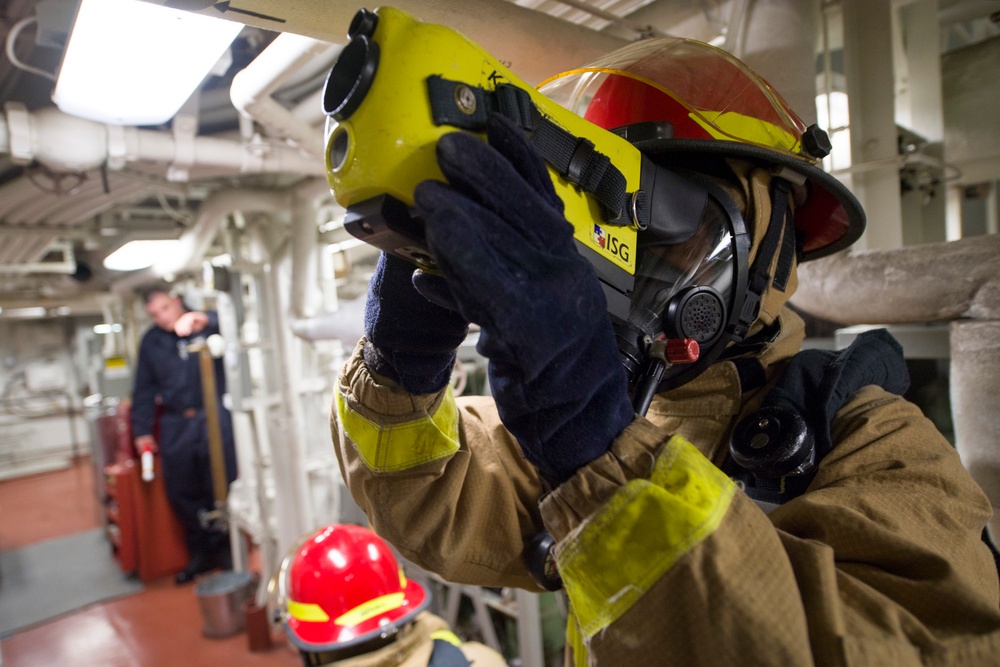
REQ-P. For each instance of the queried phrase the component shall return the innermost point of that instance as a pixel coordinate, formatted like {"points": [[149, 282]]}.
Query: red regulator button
{"points": [[683, 350]]}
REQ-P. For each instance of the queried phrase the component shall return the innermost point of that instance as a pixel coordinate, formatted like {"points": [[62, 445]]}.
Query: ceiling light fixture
{"points": [[31, 312], [136, 255], [135, 63]]}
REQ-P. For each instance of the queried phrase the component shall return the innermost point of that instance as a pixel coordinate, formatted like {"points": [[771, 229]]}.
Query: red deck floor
{"points": [[159, 627]]}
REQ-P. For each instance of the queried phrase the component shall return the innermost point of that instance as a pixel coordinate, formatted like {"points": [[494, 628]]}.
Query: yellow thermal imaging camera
{"points": [[400, 84]]}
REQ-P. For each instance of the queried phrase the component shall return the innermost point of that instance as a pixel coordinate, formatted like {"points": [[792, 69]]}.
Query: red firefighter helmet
{"points": [[342, 587], [714, 104]]}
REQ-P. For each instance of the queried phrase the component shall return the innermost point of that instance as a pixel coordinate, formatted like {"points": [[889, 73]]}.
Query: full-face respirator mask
{"points": [[668, 245]]}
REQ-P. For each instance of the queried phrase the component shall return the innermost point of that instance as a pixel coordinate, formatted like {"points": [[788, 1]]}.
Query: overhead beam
{"points": [[532, 44]]}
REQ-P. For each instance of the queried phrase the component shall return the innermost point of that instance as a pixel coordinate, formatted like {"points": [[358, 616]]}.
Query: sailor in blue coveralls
{"points": [[168, 372]]}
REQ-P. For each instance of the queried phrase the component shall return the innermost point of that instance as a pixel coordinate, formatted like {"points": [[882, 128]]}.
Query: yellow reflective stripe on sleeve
{"points": [[307, 611], [448, 636], [640, 533], [393, 447], [574, 642]]}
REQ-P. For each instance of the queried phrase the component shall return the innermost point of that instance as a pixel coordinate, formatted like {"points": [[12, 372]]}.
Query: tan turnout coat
{"points": [[880, 562]]}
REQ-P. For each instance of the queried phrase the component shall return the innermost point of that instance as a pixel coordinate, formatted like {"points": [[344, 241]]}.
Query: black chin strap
{"points": [[780, 231]]}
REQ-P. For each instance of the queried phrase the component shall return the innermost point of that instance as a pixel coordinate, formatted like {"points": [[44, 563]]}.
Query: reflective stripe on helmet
{"points": [[732, 126], [371, 609], [342, 586], [640, 533], [389, 447], [307, 611]]}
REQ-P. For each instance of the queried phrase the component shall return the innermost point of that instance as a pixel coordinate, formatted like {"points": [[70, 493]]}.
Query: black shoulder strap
{"points": [[576, 158]]}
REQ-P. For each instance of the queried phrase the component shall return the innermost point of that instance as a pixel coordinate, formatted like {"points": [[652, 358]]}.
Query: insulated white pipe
{"points": [[777, 38], [87, 199], [211, 214], [974, 384], [924, 283], [293, 509], [252, 88], [66, 143], [304, 232], [346, 324], [194, 242]]}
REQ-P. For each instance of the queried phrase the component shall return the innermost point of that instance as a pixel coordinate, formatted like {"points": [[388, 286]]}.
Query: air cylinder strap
{"points": [[458, 104]]}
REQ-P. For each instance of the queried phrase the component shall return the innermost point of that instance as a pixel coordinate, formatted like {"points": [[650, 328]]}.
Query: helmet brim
{"points": [[848, 218], [317, 636]]}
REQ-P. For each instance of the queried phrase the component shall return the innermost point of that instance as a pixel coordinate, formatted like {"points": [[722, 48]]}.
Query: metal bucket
{"points": [[221, 597]]}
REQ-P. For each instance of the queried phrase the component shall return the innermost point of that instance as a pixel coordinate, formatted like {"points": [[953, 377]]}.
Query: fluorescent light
{"points": [[26, 313], [130, 62], [107, 328], [140, 254]]}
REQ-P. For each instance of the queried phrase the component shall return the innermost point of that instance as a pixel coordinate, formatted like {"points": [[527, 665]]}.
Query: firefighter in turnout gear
{"points": [[342, 599], [614, 433]]}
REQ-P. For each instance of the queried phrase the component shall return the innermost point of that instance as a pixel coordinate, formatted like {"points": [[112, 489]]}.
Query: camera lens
{"points": [[340, 145], [350, 78]]}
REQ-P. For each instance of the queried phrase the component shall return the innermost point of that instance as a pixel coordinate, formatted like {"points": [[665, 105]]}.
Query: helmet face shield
{"points": [[702, 90], [702, 100]]}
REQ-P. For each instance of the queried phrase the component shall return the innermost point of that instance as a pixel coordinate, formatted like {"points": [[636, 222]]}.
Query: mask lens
{"points": [[666, 273]]}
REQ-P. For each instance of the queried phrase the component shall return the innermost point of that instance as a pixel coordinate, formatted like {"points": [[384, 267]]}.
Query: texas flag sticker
{"points": [[599, 237]]}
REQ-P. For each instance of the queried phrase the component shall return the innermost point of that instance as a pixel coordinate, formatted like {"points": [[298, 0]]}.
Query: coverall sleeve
{"points": [[213, 322], [440, 479], [880, 562], [144, 391]]}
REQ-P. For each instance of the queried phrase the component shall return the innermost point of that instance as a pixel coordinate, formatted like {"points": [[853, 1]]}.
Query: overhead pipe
{"points": [[66, 143], [196, 241], [253, 86], [895, 285], [304, 233], [343, 323], [24, 205]]}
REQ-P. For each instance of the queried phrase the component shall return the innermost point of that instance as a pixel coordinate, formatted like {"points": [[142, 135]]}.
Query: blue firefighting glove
{"points": [[498, 233], [408, 338]]}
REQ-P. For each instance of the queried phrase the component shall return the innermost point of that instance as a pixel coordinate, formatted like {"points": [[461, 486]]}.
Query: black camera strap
{"points": [[458, 104]]}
